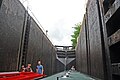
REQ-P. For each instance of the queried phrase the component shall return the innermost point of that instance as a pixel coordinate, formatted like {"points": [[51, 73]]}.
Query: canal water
{"points": [[73, 75]]}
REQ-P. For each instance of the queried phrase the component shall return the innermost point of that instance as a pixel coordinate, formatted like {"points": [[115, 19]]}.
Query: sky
{"points": [[58, 17]]}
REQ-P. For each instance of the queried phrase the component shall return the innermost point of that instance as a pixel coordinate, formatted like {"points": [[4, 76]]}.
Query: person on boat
{"points": [[39, 68], [22, 68], [28, 68], [73, 68]]}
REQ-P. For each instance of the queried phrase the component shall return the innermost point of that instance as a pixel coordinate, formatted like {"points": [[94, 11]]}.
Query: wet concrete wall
{"points": [[81, 52], [95, 43], [59, 66], [11, 25], [91, 50]]}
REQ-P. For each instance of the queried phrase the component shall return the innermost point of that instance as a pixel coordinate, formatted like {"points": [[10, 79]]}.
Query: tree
{"points": [[75, 34]]}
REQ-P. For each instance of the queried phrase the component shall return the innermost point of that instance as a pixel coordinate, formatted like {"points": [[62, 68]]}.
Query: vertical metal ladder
{"points": [[26, 39]]}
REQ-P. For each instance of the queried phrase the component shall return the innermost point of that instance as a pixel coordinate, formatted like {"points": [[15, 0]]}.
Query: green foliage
{"points": [[75, 34]]}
